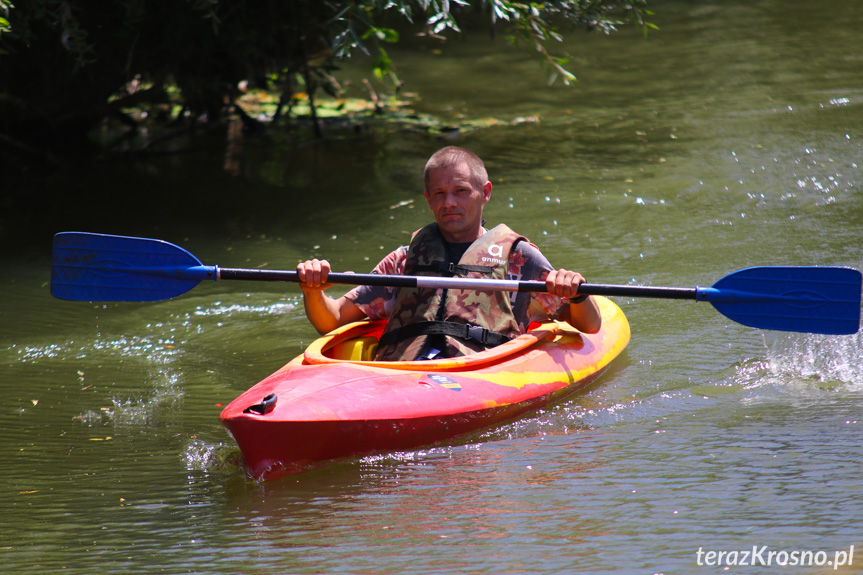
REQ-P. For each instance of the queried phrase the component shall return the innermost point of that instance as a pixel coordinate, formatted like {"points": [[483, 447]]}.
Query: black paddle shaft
{"points": [[434, 281]]}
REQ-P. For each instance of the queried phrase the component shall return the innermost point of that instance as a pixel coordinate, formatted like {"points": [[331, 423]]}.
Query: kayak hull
{"points": [[321, 406]]}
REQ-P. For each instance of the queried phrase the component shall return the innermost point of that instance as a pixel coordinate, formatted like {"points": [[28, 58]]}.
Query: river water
{"points": [[730, 138]]}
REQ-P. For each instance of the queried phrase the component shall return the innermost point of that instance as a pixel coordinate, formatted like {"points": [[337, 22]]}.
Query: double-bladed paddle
{"points": [[100, 267]]}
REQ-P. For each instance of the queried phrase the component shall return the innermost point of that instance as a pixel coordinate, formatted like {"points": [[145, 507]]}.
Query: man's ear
{"points": [[486, 192]]}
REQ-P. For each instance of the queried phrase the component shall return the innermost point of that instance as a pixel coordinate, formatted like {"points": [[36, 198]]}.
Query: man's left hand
{"points": [[563, 283]]}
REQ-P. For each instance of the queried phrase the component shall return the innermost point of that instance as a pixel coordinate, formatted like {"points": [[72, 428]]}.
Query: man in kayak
{"points": [[428, 323]]}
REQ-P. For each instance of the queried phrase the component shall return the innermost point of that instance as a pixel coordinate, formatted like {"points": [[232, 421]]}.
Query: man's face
{"points": [[457, 202]]}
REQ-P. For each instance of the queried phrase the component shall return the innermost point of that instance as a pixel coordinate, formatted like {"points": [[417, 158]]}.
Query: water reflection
{"points": [[379, 508]]}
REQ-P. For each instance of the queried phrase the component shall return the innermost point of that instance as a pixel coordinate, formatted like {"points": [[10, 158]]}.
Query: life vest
{"points": [[470, 320]]}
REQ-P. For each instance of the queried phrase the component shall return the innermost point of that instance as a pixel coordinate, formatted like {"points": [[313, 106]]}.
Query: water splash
{"points": [[264, 310], [155, 342], [166, 397], [830, 360], [29, 353], [199, 455], [805, 366], [203, 456], [155, 348]]}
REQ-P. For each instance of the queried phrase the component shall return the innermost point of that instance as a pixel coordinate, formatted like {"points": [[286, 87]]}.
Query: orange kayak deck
{"points": [[333, 402]]}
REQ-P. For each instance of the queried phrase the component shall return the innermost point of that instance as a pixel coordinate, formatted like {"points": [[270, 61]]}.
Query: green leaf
{"points": [[382, 34], [388, 35]]}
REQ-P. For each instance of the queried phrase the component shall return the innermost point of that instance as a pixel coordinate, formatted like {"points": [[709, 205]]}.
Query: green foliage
{"points": [[5, 6], [67, 64]]}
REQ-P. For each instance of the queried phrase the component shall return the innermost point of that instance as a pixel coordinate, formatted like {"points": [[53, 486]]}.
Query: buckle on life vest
{"points": [[477, 333]]}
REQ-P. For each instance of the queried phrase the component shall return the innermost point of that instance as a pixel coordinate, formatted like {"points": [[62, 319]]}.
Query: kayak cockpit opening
{"points": [[358, 343], [355, 349]]}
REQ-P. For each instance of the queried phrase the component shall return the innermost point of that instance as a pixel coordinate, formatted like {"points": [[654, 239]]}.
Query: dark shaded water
{"points": [[731, 138]]}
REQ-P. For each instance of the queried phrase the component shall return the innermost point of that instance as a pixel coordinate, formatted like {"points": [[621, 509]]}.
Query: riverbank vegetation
{"points": [[70, 66]]}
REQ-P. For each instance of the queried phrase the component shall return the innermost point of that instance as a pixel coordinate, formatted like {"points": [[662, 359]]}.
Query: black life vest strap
{"points": [[465, 331]]}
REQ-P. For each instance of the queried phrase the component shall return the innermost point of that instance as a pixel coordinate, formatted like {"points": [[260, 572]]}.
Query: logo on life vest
{"points": [[444, 381], [496, 252]]}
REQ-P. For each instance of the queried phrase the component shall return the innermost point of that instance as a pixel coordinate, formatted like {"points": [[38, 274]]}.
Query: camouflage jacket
{"points": [[486, 257]]}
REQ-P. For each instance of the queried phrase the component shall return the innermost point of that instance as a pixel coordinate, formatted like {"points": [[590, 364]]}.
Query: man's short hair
{"points": [[452, 156]]}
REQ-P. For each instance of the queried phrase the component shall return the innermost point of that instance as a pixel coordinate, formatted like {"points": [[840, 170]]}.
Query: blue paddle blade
{"points": [[100, 267], [812, 299]]}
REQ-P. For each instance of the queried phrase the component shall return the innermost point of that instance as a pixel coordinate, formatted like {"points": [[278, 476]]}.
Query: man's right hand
{"points": [[313, 274], [325, 313]]}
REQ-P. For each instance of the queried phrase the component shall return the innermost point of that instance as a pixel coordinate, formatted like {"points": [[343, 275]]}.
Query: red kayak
{"points": [[333, 401]]}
